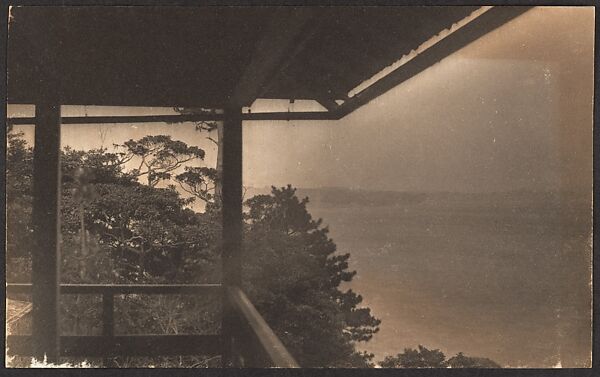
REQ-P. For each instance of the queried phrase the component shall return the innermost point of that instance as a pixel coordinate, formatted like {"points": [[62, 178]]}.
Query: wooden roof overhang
{"points": [[218, 57], [204, 57]]}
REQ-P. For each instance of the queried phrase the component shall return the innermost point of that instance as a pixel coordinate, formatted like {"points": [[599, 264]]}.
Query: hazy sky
{"points": [[512, 110]]}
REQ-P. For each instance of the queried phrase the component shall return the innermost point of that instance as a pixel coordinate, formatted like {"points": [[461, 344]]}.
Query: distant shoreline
{"points": [[341, 196]]}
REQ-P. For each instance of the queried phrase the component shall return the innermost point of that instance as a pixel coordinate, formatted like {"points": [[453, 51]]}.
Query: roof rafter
{"points": [[311, 29], [467, 33], [285, 27], [120, 119]]}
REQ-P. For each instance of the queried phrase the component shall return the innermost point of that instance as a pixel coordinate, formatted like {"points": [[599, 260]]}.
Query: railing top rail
{"points": [[124, 345], [276, 351], [120, 288]]}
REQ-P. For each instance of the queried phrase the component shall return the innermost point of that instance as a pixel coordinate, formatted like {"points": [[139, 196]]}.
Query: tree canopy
{"points": [[158, 156], [293, 275], [142, 233], [426, 358]]}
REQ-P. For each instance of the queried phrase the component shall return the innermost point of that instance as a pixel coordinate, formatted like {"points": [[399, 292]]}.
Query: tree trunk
{"points": [[218, 184], [82, 224], [82, 269]]}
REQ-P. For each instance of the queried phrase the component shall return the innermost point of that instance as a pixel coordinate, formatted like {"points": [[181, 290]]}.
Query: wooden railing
{"points": [[256, 344]]}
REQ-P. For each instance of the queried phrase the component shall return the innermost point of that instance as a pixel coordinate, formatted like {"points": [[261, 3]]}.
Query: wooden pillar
{"points": [[232, 196], [232, 224], [108, 323], [45, 261]]}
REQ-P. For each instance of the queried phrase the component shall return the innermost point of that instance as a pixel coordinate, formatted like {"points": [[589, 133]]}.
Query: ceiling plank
{"points": [[277, 42], [311, 30]]}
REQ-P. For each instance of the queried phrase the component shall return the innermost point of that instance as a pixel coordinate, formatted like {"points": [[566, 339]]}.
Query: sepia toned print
{"points": [[329, 187]]}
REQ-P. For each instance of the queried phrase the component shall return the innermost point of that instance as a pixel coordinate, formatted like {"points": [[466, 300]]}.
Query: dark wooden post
{"points": [[232, 222], [232, 196], [286, 24], [45, 261], [108, 323]]}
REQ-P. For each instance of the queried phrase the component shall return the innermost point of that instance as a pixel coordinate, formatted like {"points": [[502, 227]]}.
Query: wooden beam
{"points": [[481, 25], [265, 344], [118, 119], [124, 345], [278, 41], [328, 103], [122, 289], [108, 323], [231, 194], [291, 115], [125, 119], [312, 28], [45, 258]]}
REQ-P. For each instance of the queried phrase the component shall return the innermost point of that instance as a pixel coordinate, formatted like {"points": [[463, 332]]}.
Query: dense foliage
{"points": [[426, 358], [120, 226], [293, 274], [19, 175]]}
